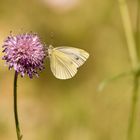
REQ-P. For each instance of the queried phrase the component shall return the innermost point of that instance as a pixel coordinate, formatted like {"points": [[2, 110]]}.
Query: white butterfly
{"points": [[64, 61]]}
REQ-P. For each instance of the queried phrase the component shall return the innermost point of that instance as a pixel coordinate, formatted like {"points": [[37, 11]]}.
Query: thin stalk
{"points": [[133, 108], [128, 33], [137, 24], [19, 136], [132, 48], [136, 85]]}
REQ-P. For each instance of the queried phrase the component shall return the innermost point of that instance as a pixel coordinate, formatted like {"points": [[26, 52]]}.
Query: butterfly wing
{"points": [[61, 65], [77, 56], [64, 61]]}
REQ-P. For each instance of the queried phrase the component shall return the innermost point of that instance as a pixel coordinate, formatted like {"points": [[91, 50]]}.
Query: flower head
{"points": [[25, 53]]}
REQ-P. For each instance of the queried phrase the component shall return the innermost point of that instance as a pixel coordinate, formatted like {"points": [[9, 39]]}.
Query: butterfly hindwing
{"points": [[61, 65]]}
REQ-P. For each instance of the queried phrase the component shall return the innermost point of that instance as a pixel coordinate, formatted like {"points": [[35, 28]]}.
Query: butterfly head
{"points": [[50, 49]]}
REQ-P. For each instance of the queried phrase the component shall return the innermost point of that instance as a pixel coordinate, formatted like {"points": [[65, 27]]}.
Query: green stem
{"points": [[136, 86], [132, 47], [137, 24], [19, 136], [133, 108], [129, 33]]}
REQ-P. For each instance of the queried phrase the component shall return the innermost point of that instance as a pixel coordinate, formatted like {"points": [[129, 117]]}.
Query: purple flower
{"points": [[25, 53]]}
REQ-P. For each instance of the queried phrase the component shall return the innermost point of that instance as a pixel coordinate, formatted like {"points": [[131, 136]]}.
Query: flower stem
{"points": [[19, 136]]}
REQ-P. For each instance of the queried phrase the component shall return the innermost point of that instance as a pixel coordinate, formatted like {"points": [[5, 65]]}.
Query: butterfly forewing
{"points": [[77, 56]]}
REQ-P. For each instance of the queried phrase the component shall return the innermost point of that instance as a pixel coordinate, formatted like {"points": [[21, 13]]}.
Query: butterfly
{"points": [[64, 61]]}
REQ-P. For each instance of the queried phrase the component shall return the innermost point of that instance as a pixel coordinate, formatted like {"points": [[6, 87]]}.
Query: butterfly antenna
{"points": [[52, 38], [10, 31]]}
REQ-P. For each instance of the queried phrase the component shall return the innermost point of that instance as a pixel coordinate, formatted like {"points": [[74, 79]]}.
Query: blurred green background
{"points": [[52, 109]]}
